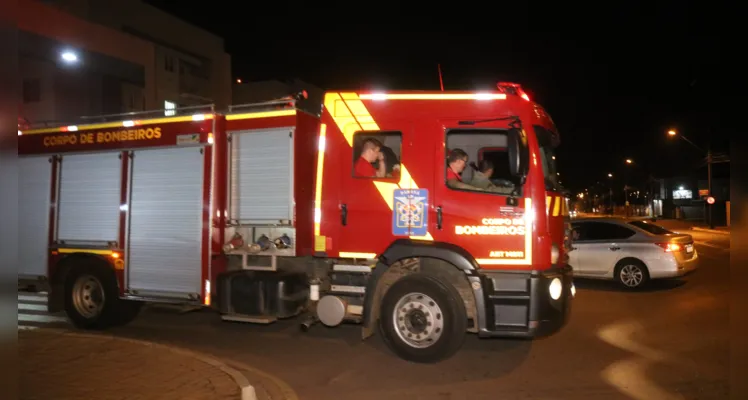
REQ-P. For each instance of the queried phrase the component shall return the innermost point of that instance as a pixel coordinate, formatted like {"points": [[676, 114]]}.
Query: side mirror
{"points": [[518, 154]]}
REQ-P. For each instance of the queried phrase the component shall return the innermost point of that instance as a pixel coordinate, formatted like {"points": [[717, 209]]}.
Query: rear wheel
{"points": [[423, 319], [632, 274], [92, 299]]}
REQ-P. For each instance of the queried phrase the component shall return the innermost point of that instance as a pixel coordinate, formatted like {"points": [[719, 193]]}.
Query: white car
{"points": [[629, 251]]}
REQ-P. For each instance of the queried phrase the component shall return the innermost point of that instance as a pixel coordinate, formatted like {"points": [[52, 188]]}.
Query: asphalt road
{"points": [[667, 342]]}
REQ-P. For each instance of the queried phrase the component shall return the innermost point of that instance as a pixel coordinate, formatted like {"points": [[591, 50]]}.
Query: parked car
{"points": [[631, 252]]}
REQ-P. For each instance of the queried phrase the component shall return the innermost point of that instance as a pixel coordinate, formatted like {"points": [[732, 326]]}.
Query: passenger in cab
{"points": [[392, 164], [370, 152], [456, 162], [482, 178]]}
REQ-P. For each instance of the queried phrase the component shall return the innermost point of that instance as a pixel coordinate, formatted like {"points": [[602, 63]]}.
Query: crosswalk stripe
{"points": [[32, 298], [40, 318], [32, 307]]}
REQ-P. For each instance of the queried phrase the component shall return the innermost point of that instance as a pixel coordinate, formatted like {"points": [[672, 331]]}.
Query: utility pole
{"points": [[709, 182]]}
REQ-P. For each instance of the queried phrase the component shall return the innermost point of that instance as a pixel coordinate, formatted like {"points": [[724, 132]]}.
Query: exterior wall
{"points": [[191, 65], [111, 65], [177, 62]]}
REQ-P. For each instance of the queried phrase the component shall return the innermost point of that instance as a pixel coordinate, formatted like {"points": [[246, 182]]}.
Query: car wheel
{"points": [[632, 274], [423, 319]]}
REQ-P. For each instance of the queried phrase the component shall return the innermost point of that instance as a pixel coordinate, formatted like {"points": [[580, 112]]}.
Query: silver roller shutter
{"points": [[166, 205], [34, 186], [90, 190], [262, 175]]}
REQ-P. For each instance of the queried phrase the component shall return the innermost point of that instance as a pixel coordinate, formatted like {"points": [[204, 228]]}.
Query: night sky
{"points": [[613, 85]]}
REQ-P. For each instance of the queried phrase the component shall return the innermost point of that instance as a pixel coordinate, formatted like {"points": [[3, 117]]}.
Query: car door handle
{"points": [[439, 217], [614, 248], [344, 214]]}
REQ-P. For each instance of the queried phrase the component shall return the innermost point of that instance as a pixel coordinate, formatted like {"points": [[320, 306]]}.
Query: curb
{"points": [[711, 231], [246, 389]]}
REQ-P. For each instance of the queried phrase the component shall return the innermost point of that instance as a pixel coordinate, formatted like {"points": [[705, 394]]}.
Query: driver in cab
{"points": [[456, 163]]}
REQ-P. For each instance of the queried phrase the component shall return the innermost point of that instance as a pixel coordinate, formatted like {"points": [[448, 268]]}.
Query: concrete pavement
{"points": [[57, 365]]}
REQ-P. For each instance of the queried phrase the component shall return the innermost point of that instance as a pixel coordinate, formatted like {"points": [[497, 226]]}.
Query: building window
{"points": [[377, 154], [170, 109], [32, 90], [169, 63]]}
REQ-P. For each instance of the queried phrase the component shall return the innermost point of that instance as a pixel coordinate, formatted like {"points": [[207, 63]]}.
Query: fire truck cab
{"points": [[423, 215]]}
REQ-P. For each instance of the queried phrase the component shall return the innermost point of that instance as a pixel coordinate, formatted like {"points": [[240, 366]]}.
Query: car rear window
{"points": [[650, 227]]}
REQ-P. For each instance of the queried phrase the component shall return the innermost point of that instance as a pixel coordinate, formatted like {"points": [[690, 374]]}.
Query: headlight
{"points": [[555, 288]]}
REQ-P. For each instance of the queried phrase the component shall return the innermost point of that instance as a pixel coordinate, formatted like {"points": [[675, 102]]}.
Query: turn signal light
{"points": [[670, 247]]}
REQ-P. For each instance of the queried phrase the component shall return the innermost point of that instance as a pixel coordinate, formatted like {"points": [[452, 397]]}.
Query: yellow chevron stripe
{"points": [[351, 115]]}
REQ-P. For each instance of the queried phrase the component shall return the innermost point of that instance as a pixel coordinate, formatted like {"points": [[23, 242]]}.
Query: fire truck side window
{"points": [[376, 154], [487, 167]]}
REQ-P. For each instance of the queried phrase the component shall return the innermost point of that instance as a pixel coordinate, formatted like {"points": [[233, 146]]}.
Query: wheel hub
{"points": [[631, 275], [88, 296], [418, 320]]}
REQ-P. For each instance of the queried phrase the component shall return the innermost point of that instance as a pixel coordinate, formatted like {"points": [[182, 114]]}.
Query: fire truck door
{"points": [[479, 220], [367, 201], [165, 230]]}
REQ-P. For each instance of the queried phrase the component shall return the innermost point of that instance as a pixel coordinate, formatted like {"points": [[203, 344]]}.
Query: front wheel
{"points": [[423, 319]]}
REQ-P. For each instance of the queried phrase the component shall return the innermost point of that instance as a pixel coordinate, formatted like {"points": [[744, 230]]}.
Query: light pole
{"points": [[610, 193], [673, 132]]}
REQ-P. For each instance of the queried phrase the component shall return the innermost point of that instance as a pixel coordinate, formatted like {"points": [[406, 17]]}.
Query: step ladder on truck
{"points": [[368, 213]]}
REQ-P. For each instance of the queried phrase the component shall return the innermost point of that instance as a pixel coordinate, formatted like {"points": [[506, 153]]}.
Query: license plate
{"points": [[689, 248]]}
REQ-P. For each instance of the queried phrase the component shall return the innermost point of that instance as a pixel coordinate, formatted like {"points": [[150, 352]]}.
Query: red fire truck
{"points": [[370, 212]]}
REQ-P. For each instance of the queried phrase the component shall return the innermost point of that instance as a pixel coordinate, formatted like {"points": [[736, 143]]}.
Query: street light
{"points": [[69, 56], [672, 132], [629, 161], [610, 175]]}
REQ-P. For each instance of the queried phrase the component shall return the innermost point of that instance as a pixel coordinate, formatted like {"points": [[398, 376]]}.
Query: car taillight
{"points": [[670, 247]]}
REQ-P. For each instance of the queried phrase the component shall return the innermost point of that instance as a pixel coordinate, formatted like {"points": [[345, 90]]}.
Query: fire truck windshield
{"points": [[547, 157]]}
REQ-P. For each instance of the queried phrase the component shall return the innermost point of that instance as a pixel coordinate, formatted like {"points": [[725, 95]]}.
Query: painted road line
{"points": [[31, 298], [630, 375], [44, 319], [32, 307]]}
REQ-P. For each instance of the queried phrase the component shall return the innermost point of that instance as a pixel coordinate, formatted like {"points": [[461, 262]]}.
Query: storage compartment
{"points": [[34, 188], [166, 223], [90, 196], [261, 176], [263, 294]]}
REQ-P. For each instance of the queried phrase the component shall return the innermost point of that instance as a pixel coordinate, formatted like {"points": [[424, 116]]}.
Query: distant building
{"points": [[85, 57], [262, 91], [685, 198]]}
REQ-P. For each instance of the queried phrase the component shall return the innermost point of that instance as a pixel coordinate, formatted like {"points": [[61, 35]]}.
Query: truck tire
{"points": [[91, 297], [423, 319]]}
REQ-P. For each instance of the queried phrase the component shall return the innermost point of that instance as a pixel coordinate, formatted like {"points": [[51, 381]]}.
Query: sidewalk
{"points": [[674, 224], [60, 365]]}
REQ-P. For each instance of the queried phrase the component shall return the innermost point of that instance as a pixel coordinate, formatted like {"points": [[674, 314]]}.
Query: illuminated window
{"points": [[478, 160], [170, 108], [377, 155]]}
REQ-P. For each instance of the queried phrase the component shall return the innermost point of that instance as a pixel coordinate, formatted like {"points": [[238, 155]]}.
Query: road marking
{"points": [[629, 375], [31, 307], [32, 298], [40, 318]]}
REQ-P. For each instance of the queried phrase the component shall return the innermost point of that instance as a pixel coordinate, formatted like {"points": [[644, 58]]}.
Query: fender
{"points": [[406, 248]]}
